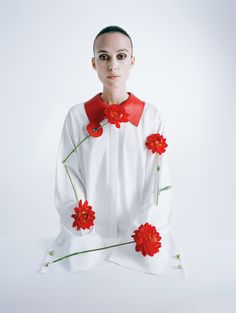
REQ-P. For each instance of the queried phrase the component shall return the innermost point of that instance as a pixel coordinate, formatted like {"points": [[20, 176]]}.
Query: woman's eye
{"points": [[122, 56], [103, 57]]}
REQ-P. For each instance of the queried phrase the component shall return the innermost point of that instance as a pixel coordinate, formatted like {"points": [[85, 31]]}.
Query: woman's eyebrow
{"points": [[100, 51]]}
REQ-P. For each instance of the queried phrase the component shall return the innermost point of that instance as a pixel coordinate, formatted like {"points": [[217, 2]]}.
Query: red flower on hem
{"points": [[94, 129], [116, 114], [147, 239], [156, 143], [84, 216]]}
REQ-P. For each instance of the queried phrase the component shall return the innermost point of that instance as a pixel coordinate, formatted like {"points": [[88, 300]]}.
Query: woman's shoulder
{"points": [[76, 112], [152, 111], [76, 108]]}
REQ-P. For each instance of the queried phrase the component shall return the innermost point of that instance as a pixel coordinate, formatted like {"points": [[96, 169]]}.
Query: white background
{"points": [[185, 64]]}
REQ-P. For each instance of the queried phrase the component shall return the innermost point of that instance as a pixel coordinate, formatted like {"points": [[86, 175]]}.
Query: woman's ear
{"points": [[132, 60], [93, 63]]}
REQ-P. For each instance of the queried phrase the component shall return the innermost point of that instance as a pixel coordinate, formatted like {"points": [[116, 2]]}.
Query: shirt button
{"points": [[179, 266], [51, 252], [178, 256]]}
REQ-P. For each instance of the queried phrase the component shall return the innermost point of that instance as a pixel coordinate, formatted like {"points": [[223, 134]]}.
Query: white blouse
{"points": [[121, 178]]}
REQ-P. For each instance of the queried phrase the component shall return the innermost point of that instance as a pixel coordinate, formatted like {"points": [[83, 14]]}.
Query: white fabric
{"points": [[118, 176]]}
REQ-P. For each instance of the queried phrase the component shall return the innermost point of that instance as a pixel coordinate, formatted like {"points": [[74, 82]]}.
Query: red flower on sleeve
{"points": [[84, 216], [147, 239], [116, 114], [156, 143]]}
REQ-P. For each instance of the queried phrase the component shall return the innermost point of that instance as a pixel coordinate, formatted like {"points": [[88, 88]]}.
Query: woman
{"points": [[112, 176]]}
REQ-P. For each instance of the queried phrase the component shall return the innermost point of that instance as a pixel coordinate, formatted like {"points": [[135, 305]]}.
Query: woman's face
{"points": [[112, 57]]}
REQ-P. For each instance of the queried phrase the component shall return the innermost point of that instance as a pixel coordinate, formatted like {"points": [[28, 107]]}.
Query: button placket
{"points": [[113, 176], [112, 182]]}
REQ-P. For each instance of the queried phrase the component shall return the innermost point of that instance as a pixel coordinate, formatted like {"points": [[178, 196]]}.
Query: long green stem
{"points": [[73, 187], [75, 149], [85, 251], [71, 183]]}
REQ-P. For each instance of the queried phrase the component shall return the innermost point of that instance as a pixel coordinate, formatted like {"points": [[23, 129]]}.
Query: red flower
{"points": [[116, 114], [94, 129], [147, 239], [156, 143], [84, 216]]}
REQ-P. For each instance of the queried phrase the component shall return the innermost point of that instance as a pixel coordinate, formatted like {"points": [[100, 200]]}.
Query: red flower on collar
{"points": [[116, 114], [156, 143], [147, 239], [95, 106], [84, 216], [94, 129]]}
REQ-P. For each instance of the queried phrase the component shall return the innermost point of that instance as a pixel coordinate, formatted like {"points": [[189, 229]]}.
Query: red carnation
{"points": [[156, 143], [116, 114], [94, 129], [84, 216], [147, 239]]}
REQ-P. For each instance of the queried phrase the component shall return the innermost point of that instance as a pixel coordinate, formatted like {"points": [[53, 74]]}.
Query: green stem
{"points": [[72, 183], [80, 144], [76, 253], [75, 149], [162, 189], [73, 187], [165, 188]]}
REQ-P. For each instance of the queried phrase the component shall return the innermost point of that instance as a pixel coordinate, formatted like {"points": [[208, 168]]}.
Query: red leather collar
{"points": [[94, 108]]}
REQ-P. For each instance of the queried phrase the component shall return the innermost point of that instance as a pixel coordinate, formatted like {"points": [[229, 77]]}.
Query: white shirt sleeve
{"points": [[157, 206], [68, 179]]}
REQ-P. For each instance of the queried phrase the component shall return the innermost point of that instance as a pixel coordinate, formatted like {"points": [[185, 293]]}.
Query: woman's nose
{"points": [[112, 65]]}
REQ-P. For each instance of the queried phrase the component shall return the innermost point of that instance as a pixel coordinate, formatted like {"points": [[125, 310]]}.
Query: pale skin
{"points": [[113, 56]]}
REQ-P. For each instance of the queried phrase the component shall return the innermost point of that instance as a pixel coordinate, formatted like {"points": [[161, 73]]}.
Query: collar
{"points": [[94, 108]]}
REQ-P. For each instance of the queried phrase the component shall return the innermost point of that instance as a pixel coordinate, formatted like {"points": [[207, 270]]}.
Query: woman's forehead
{"points": [[114, 42]]}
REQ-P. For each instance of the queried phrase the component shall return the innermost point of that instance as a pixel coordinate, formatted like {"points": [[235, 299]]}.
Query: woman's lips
{"points": [[113, 77]]}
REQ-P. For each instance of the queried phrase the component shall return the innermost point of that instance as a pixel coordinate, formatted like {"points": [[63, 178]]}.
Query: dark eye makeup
{"points": [[120, 56]]}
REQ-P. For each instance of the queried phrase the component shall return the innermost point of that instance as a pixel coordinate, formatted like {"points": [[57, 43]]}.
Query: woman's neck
{"points": [[114, 96]]}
